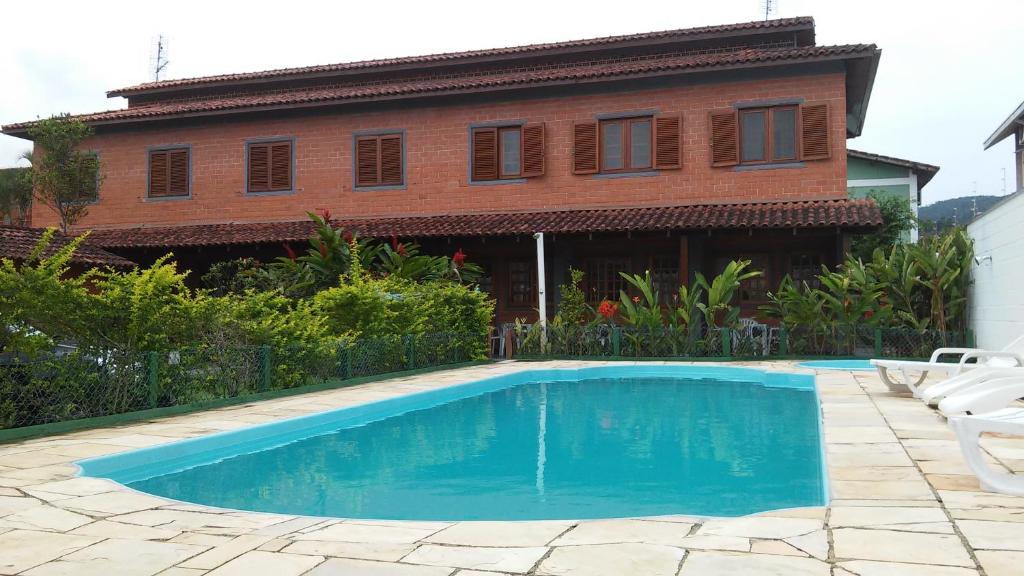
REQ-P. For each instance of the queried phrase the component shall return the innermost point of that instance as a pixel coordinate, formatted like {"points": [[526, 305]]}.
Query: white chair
{"points": [[751, 330], [990, 411], [1011, 355], [969, 380]]}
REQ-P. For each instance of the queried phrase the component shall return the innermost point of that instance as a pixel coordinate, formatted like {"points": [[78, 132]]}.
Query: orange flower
{"points": [[608, 309]]}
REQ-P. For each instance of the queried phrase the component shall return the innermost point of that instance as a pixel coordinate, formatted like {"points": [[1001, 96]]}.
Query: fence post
{"points": [[346, 360], [783, 341], [264, 383], [616, 341], [878, 342], [153, 378], [726, 334], [970, 338], [410, 351]]}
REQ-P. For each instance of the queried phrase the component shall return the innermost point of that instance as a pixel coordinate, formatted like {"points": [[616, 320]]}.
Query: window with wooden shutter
{"points": [[668, 146], [379, 160], [814, 144], [270, 166], [724, 139], [168, 173], [507, 152], [584, 148]]}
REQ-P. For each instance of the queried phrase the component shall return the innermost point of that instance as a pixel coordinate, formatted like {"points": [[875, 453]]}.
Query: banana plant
{"points": [[720, 293]]}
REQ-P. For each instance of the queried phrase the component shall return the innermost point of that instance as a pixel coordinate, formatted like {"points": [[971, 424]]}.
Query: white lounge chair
{"points": [[965, 381], [989, 412], [1011, 355]]}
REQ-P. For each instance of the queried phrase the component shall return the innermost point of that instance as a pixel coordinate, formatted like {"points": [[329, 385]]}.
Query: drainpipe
{"points": [[541, 298]]}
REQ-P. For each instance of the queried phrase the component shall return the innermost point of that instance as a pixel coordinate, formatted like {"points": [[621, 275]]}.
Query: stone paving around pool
{"points": [[903, 503]]}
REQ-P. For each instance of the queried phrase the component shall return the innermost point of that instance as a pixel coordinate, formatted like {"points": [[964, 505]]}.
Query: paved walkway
{"points": [[903, 503]]}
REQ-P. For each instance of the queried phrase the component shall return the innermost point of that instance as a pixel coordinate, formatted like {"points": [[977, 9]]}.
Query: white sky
{"points": [[948, 75]]}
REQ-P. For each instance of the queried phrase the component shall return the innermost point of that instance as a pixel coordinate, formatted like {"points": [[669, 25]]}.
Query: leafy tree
{"points": [[897, 220], [572, 306], [65, 178], [16, 193]]}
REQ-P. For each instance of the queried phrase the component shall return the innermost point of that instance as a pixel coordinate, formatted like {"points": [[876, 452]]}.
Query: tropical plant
{"points": [[64, 177], [16, 193], [718, 309], [897, 221], [572, 304]]}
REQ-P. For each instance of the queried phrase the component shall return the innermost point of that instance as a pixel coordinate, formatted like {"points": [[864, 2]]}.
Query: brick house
{"points": [[670, 151]]}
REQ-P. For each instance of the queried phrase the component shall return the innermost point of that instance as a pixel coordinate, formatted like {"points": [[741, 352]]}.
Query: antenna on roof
{"points": [[769, 7], [159, 60]]}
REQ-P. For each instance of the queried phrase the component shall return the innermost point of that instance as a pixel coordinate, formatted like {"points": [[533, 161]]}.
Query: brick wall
{"points": [[437, 175]]}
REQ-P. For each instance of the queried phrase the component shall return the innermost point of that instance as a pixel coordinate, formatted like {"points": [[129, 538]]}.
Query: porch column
{"points": [[541, 297]]}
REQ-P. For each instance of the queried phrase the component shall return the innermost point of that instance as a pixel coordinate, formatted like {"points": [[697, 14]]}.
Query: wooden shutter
{"points": [[584, 148], [177, 170], [725, 140], [485, 154], [533, 150], [157, 174], [168, 173], [281, 166], [259, 167], [367, 168], [668, 146], [814, 143], [391, 160]]}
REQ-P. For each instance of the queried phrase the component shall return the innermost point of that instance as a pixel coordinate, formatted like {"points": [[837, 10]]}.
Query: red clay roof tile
{"points": [[801, 22], [592, 71], [17, 243], [806, 214]]}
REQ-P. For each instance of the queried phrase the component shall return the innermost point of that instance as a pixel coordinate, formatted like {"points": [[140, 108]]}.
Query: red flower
{"points": [[394, 243], [459, 258], [323, 249], [288, 250], [636, 299], [401, 250], [347, 237], [325, 213], [868, 314], [608, 309]]}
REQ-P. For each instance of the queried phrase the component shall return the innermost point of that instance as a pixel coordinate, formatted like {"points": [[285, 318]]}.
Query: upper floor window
{"points": [[269, 166], [626, 144], [168, 172], [629, 144], [507, 152], [380, 160], [766, 135]]}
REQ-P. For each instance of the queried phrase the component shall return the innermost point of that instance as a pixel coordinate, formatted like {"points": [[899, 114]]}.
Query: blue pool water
{"points": [[854, 365], [552, 444]]}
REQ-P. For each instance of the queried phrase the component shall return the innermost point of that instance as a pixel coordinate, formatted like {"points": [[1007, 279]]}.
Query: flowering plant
{"points": [[608, 309]]}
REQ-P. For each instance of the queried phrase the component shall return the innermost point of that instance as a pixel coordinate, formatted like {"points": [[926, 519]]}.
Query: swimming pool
{"points": [[600, 442], [855, 365]]}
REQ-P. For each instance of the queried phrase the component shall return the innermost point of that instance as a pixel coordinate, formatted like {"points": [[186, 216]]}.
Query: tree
{"points": [[897, 220], [16, 194], [65, 178]]}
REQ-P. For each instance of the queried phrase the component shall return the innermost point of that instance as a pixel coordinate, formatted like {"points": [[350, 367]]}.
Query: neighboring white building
{"points": [[997, 297]]}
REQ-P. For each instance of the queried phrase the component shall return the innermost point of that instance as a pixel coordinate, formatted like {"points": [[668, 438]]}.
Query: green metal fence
{"points": [[751, 341], [86, 385]]}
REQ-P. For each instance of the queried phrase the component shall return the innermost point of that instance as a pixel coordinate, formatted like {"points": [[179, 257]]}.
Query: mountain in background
{"points": [[941, 214]]}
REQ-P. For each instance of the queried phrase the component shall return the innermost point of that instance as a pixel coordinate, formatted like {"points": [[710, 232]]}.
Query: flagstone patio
{"points": [[903, 503]]}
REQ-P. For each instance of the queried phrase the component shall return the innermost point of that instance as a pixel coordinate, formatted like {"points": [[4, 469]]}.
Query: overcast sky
{"points": [[948, 76]]}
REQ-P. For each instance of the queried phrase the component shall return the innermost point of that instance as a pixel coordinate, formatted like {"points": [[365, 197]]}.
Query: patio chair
{"points": [[751, 330], [1011, 355], [990, 411], [965, 381]]}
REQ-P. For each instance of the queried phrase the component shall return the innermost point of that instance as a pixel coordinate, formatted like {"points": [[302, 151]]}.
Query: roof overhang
{"points": [[848, 214], [924, 172], [1007, 128], [860, 80]]}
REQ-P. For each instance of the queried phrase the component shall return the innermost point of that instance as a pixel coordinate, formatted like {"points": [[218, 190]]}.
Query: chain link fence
{"points": [[82, 385], [749, 341]]}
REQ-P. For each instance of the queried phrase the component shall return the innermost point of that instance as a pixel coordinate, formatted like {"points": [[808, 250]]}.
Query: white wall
{"points": [[997, 297]]}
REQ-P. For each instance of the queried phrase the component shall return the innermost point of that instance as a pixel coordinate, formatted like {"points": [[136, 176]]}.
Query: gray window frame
{"points": [[245, 165], [405, 165], [166, 148]]}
